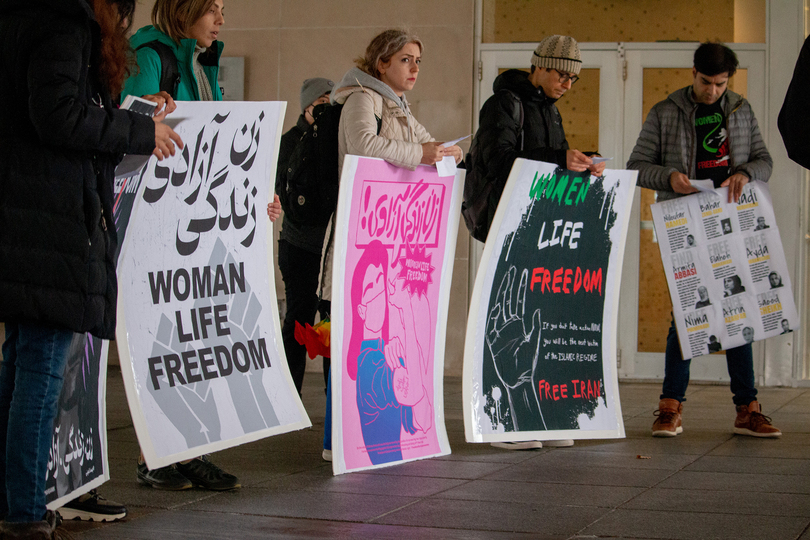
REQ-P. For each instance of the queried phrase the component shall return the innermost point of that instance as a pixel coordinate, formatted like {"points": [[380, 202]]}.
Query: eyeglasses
{"points": [[565, 77]]}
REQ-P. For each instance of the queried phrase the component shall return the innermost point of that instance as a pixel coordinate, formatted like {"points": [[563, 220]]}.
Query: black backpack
{"points": [[477, 190], [169, 74], [309, 190]]}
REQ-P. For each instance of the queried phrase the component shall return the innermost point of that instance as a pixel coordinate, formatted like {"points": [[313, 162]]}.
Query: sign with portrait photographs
{"points": [[725, 268]]}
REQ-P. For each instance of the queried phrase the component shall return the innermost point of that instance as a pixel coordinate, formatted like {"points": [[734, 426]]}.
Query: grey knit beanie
{"points": [[560, 53], [314, 88]]}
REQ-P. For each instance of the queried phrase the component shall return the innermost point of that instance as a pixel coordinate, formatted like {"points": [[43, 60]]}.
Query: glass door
{"points": [[653, 72]]}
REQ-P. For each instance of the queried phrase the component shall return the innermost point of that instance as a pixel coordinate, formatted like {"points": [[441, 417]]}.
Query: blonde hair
{"points": [[175, 17], [383, 47]]}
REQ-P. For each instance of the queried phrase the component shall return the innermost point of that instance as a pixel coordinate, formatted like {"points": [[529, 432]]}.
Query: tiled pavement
{"points": [[706, 483]]}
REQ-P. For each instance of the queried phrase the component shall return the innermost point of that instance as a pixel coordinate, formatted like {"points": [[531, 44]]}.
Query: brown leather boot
{"points": [[668, 423], [750, 421], [37, 530]]}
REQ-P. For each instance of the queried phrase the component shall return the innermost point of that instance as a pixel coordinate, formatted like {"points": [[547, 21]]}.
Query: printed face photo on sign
{"points": [[703, 297], [761, 225], [732, 285], [748, 334]]}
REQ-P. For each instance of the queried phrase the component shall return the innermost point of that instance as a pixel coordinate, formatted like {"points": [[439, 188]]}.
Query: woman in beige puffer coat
{"points": [[376, 120]]}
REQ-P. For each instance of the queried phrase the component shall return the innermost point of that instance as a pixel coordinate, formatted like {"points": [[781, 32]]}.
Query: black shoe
{"points": [[93, 507], [163, 478], [201, 472]]}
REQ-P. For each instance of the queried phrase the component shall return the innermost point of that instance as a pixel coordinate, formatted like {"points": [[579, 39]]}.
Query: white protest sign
{"points": [[198, 325], [540, 353], [726, 269]]}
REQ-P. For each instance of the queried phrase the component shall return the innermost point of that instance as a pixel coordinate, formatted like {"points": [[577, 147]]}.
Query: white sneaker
{"points": [[93, 507], [523, 445], [326, 455], [562, 443]]}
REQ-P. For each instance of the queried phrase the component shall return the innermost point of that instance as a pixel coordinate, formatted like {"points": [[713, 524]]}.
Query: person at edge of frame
{"points": [[300, 245], [65, 60]]}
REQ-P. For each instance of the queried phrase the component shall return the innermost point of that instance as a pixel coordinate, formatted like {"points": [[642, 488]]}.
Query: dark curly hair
{"points": [[116, 58]]}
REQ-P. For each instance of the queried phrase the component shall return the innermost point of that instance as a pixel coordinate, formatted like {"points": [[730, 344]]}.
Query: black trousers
{"points": [[300, 270]]}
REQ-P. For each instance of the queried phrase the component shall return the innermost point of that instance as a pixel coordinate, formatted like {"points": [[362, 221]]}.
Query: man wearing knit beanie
{"points": [[521, 120], [560, 53]]}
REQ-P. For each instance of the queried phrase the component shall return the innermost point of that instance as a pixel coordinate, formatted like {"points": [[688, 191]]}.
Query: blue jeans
{"points": [[31, 374], [327, 421], [740, 361]]}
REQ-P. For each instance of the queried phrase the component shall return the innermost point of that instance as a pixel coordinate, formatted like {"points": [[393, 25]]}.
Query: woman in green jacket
{"points": [[195, 46]]}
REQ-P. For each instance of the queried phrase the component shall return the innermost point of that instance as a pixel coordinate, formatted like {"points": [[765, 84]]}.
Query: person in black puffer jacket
{"points": [[60, 140], [530, 97], [521, 120], [300, 243], [794, 117]]}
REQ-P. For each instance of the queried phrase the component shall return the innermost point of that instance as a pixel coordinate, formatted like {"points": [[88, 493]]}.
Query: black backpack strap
{"points": [[520, 114], [318, 110], [169, 74]]}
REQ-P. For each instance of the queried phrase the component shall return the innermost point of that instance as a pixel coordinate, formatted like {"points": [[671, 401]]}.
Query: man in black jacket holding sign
{"points": [[521, 120]]}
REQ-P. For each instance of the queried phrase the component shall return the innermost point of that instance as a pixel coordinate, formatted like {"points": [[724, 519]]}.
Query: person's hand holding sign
{"points": [[680, 183], [735, 183]]}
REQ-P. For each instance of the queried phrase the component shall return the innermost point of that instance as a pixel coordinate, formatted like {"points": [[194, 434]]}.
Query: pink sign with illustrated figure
{"points": [[395, 238]]}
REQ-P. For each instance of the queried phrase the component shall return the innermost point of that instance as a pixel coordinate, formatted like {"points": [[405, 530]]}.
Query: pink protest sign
{"points": [[395, 239]]}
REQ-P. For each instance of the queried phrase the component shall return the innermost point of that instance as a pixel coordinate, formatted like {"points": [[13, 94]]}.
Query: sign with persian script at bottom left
{"points": [[77, 461], [198, 327]]}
